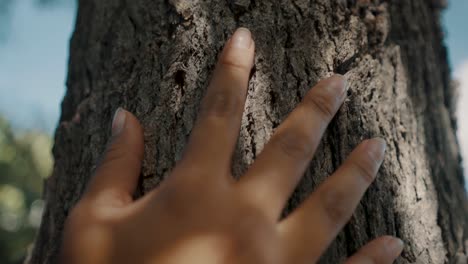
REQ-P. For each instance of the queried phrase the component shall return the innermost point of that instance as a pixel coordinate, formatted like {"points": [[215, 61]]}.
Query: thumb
{"points": [[116, 176]]}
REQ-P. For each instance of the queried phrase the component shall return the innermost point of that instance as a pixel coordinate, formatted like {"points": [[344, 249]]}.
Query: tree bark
{"points": [[154, 58]]}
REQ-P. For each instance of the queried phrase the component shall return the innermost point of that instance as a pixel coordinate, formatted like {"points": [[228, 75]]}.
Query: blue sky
{"points": [[455, 23], [33, 64]]}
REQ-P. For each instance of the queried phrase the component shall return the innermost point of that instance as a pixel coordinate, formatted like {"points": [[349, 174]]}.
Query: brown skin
{"points": [[200, 214]]}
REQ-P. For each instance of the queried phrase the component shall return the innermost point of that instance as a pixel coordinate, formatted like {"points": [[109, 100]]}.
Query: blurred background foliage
{"points": [[25, 151], [25, 161]]}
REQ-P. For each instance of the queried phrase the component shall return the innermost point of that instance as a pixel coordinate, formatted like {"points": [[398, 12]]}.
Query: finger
{"points": [[383, 250], [279, 167], [333, 203], [116, 176], [215, 133]]}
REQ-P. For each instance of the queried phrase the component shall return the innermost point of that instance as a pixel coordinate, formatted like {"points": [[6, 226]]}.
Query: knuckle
{"points": [[335, 206], [117, 152], [296, 145], [365, 168], [110, 157], [321, 103], [221, 104], [234, 62], [248, 235], [113, 153], [372, 259]]}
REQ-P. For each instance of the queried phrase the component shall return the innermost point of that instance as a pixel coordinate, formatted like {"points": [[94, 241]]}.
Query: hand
{"points": [[200, 214]]}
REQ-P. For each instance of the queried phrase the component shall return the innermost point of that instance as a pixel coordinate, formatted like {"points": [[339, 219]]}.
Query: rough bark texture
{"points": [[155, 58]]}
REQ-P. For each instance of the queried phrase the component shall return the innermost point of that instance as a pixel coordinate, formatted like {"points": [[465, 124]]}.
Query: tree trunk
{"points": [[154, 58]]}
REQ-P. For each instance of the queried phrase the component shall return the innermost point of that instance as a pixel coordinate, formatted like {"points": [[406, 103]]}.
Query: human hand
{"points": [[200, 214]]}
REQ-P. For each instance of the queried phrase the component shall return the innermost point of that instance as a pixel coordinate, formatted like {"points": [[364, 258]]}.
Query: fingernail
{"points": [[377, 148], [242, 38], [118, 122], [394, 246]]}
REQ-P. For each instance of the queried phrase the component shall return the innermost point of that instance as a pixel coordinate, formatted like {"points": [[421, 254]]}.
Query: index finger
{"points": [[279, 167]]}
